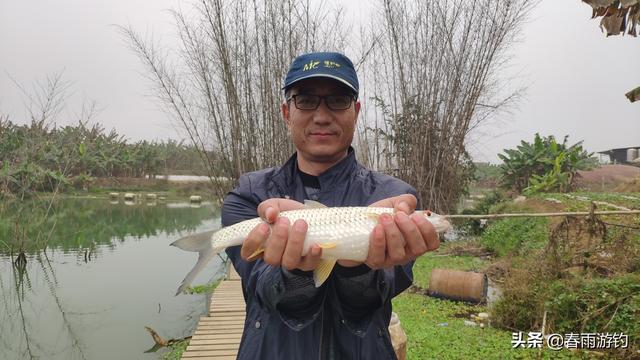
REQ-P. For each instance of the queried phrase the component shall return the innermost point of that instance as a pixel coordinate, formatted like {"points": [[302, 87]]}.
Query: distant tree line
{"points": [[80, 224], [43, 157]]}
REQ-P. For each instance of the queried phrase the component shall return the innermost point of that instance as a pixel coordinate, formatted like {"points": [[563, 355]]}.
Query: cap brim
{"points": [[321, 75]]}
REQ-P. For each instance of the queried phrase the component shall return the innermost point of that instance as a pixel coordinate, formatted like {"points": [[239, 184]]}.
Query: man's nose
{"points": [[322, 114]]}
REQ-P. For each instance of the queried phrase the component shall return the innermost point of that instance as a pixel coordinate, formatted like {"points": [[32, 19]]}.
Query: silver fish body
{"points": [[342, 232]]}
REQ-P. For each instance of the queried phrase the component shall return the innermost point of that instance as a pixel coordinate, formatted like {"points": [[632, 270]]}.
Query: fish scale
{"points": [[342, 232], [347, 226]]}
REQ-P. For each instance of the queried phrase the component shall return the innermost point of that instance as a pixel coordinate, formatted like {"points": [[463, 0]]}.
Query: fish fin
{"points": [[194, 242], [204, 256], [373, 216], [256, 254], [322, 272], [328, 245], [310, 204]]}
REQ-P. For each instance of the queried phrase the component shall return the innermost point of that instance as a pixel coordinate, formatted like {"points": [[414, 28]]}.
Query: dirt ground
{"points": [[607, 177]]}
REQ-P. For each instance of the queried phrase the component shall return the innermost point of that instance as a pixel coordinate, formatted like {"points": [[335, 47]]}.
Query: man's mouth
{"points": [[321, 134]]}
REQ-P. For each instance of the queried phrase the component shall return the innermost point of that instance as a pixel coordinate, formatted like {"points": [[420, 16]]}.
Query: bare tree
{"points": [[435, 78], [224, 84]]}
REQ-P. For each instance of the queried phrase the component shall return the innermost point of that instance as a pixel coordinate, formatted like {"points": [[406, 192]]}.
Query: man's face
{"points": [[321, 135]]}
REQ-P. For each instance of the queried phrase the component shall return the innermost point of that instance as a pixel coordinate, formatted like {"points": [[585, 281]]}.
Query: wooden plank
{"points": [[201, 332], [210, 353], [222, 327], [197, 342], [233, 275], [229, 308], [230, 324], [218, 335], [206, 337], [222, 318], [217, 312], [208, 347]]}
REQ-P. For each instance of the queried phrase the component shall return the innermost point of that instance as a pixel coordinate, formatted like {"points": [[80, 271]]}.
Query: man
{"points": [[348, 316]]}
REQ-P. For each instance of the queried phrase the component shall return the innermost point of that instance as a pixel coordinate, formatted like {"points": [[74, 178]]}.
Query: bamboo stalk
{"points": [[550, 214]]}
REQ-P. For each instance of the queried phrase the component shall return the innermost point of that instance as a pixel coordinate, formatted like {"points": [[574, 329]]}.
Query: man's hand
{"points": [[281, 246], [400, 238]]}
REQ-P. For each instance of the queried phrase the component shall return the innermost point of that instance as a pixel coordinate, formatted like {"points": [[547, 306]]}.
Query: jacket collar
{"points": [[286, 177]]}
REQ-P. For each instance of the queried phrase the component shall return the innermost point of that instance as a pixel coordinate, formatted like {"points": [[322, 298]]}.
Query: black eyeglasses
{"points": [[311, 102]]}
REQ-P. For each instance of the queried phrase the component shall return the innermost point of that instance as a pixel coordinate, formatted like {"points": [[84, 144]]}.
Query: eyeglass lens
{"points": [[311, 102]]}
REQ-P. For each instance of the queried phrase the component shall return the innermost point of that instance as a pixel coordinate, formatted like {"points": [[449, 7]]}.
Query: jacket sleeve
{"points": [[292, 295]]}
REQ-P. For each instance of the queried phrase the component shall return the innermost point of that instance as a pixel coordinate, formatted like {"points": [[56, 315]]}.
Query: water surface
{"points": [[96, 274]]}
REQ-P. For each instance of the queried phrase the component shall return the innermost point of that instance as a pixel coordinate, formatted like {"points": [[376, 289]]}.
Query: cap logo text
{"points": [[311, 65]]}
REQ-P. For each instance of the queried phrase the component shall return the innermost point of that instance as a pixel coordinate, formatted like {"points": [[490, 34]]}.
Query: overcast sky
{"points": [[576, 78]]}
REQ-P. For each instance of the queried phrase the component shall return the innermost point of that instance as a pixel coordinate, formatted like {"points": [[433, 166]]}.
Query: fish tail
{"points": [[204, 256], [200, 243]]}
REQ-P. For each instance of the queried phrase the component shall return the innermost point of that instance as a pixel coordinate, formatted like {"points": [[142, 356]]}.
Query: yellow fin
{"points": [[310, 204], [328, 245], [256, 254], [322, 272], [373, 216]]}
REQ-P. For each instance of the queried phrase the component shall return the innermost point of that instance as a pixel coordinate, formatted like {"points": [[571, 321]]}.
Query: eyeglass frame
{"points": [[320, 99]]}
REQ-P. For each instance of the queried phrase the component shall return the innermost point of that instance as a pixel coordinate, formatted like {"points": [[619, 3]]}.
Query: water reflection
{"points": [[95, 274]]}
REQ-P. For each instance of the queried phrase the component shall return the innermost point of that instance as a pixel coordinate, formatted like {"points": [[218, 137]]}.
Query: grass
{"points": [[175, 350], [435, 328], [516, 235], [204, 288]]}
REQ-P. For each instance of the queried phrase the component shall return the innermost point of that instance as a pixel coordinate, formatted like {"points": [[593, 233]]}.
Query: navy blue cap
{"points": [[322, 64]]}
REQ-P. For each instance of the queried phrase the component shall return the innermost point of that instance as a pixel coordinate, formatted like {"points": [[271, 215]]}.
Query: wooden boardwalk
{"points": [[217, 336]]}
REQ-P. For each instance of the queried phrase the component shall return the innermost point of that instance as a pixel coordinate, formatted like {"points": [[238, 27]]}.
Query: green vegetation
{"points": [[517, 236], [175, 350], [435, 328], [582, 274], [42, 157], [543, 165], [486, 172], [204, 288], [597, 305]]}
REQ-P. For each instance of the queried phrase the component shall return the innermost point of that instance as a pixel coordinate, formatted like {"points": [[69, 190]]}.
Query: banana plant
{"points": [[543, 165]]}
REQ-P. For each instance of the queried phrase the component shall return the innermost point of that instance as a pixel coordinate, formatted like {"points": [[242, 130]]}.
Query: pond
{"points": [[97, 272]]}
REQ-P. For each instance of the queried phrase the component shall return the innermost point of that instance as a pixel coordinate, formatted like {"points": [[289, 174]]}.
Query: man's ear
{"points": [[285, 113], [357, 108]]}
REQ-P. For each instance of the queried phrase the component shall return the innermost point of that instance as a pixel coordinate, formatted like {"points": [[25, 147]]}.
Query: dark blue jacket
{"points": [[287, 317]]}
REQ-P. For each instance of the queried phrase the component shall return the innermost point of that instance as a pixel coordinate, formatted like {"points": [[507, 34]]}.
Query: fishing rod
{"points": [[549, 214]]}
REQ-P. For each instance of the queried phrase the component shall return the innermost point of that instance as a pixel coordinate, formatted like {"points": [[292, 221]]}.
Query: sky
{"points": [[575, 77]]}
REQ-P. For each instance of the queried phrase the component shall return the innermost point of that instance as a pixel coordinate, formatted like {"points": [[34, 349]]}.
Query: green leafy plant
{"points": [[543, 165]]}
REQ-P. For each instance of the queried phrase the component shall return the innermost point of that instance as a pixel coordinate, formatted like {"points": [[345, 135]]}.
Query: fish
{"points": [[342, 233]]}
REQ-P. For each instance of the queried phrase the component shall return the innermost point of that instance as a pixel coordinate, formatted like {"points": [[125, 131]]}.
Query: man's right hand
{"points": [[282, 242]]}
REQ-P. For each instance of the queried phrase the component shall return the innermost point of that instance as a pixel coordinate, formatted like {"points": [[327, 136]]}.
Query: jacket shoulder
{"points": [[241, 203], [253, 181], [392, 185]]}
